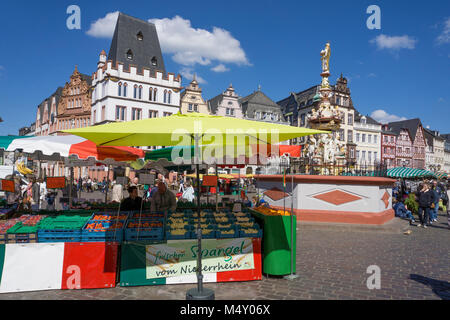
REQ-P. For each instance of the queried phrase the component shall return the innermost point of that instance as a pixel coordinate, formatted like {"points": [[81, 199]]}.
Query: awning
{"points": [[403, 172]]}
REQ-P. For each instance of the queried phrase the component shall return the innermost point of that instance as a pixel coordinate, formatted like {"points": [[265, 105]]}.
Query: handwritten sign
{"points": [[56, 182], [7, 185]]}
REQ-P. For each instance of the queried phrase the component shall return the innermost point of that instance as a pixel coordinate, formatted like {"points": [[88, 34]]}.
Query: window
{"points": [[369, 154], [140, 92], [103, 113], [352, 153], [364, 155], [399, 150], [196, 107], [375, 156], [120, 113], [310, 101], [375, 139], [130, 55], [167, 114], [154, 61], [153, 114], [369, 138], [302, 120], [135, 92], [338, 100], [228, 111], [155, 92], [357, 154], [95, 116], [385, 139], [342, 117], [357, 137], [350, 136], [136, 114], [169, 100], [341, 135], [165, 96], [363, 138], [140, 36], [392, 139], [230, 103], [350, 119], [150, 94], [125, 86], [190, 107], [232, 112]]}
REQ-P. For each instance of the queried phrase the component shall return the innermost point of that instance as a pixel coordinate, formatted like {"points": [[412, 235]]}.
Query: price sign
{"points": [[56, 182], [209, 181], [7, 185], [148, 179]]}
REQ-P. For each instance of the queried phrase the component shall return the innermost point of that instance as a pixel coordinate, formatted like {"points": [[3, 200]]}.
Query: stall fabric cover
{"points": [[69, 145], [52, 266], [403, 172]]}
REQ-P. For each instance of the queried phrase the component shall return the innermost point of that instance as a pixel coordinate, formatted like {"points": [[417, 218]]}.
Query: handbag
{"points": [[432, 206]]}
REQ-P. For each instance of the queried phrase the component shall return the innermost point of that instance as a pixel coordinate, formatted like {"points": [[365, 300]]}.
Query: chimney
{"points": [[102, 59]]}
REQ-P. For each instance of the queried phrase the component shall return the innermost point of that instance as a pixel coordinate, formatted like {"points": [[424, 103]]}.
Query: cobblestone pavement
{"points": [[332, 263]]}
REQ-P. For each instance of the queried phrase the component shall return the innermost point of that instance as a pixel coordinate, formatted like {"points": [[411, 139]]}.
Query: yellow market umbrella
{"points": [[198, 130]]}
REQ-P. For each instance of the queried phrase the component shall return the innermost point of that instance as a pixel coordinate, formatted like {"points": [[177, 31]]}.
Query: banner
{"points": [[54, 266], [179, 258]]}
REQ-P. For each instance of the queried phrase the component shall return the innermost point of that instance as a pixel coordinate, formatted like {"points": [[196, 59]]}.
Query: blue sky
{"points": [[401, 70]]}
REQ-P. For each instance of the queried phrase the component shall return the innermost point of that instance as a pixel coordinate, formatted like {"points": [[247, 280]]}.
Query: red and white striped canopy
{"points": [[70, 145]]}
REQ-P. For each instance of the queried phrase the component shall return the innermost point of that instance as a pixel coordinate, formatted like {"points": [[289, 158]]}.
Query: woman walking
{"points": [[425, 199]]}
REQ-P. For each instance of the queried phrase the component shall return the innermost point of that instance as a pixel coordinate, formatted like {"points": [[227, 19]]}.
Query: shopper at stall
{"points": [[189, 193], [425, 199], [133, 202], [163, 200]]}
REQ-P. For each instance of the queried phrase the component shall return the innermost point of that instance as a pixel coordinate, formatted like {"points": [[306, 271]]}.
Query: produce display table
{"points": [[276, 241]]}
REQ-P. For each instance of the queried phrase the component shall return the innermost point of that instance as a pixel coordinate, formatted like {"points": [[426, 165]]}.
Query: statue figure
{"points": [[325, 57], [312, 147]]}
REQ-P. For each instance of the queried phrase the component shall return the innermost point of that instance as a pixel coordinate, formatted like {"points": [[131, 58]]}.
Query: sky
{"points": [[400, 71]]}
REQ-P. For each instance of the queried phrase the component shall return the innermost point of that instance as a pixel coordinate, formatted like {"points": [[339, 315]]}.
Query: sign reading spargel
{"points": [[179, 258]]}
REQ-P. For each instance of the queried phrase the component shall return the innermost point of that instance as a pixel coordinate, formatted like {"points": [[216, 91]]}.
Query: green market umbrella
{"points": [[189, 130]]}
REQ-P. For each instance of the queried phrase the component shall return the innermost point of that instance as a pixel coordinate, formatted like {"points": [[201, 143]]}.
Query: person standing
{"points": [[425, 199], [435, 205], [163, 200]]}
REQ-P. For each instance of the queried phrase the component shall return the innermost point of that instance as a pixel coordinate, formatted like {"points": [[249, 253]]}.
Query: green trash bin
{"points": [[276, 243]]}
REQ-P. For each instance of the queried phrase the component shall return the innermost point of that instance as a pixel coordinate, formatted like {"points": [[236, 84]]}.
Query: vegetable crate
{"points": [[61, 235], [144, 230], [20, 233], [227, 233], [102, 231], [172, 236]]}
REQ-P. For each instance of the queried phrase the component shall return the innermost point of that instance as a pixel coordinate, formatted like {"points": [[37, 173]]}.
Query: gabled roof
{"points": [[369, 120], [411, 125], [126, 38], [47, 103], [258, 98], [213, 104]]}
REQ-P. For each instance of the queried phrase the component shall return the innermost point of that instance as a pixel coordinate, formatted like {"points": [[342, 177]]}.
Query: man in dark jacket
{"points": [[425, 199], [133, 202]]}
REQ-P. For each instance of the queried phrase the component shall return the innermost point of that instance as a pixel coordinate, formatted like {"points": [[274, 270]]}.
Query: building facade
{"points": [[192, 100], [259, 107], [388, 147], [131, 84], [368, 140], [226, 104], [46, 114], [446, 153], [417, 139], [74, 108], [435, 150]]}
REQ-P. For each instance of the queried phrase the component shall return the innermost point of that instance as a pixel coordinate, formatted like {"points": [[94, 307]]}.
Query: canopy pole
{"points": [[70, 187], [292, 276], [107, 184], [217, 190], [199, 293]]}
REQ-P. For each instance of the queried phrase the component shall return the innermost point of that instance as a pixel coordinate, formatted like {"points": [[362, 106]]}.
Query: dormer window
{"points": [[130, 55], [154, 61], [140, 36]]}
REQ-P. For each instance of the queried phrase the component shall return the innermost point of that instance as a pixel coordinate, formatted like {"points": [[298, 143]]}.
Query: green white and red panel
{"points": [[134, 264], [53, 266], [69, 145]]}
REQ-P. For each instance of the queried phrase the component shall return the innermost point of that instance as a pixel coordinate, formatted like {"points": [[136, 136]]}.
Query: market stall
{"points": [[189, 130]]}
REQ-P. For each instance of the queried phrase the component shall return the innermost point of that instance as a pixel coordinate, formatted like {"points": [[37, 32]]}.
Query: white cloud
{"points": [[395, 42], [188, 73], [104, 27], [444, 37], [371, 75], [441, 99], [191, 46], [384, 117], [220, 68]]}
